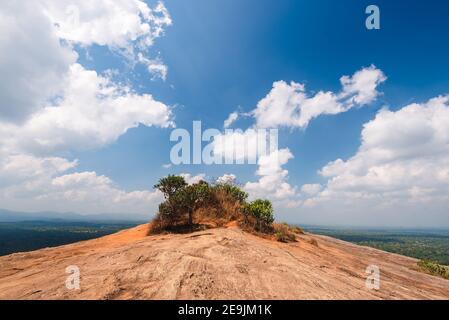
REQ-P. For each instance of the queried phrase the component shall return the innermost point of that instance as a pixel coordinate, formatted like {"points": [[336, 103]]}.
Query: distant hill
{"points": [[14, 216]]}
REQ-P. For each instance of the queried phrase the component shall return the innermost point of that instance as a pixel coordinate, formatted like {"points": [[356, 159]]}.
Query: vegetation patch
{"points": [[201, 205], [34, 235], [422, 244], [434, 268], [284, 232]]}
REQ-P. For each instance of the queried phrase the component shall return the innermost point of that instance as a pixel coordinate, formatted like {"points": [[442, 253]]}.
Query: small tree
{"points": [[170, 185], [192, 197]]}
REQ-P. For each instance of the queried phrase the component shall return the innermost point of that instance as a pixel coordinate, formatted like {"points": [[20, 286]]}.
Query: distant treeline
{"points": [[420, 244], [34, 235]]}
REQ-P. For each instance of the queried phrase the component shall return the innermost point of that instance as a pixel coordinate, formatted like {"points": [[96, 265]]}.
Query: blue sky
{"points": [[224, 56]]}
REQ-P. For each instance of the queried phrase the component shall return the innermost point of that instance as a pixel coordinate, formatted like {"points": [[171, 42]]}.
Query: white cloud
{"points": [[255, 147], [192, 179], [53, 105], [155, 67], [22, 167], [231, 119], [289, 105], [361, 89], [272, 183], [227, 179], [87, 191], [119, 24], [35, 61], [401, 168], [38, 184], [238, 145], [32, 60], [93, 112], [125, 26], [311, 189]]}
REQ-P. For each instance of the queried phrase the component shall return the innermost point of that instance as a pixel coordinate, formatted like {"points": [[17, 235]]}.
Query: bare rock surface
{"points": [[224, 263]]}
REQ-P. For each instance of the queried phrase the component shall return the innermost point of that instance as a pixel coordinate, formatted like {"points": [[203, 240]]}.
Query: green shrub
{"points": [[171, 212], [213, 205], [234, 192], [434, 268], [262, 210]]}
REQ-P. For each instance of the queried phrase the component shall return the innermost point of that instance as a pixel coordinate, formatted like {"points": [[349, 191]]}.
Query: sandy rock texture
{"points": [[224, 263]]}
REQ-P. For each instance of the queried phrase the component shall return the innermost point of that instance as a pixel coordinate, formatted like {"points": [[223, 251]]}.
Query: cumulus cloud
{"points": [[192, 179], [21, 167], [227, 179], [273, 180], [237, 145], [92, 112], [311, 189], [400, 169], [36, 44], [119, 24], [261, 148], [32, 60], [289, 105], [53, 105], [272, 183], [125, 26], [32, 183], [88, 191], [361, 88]]}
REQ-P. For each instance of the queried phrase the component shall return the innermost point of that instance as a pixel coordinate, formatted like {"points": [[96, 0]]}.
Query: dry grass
{"points": [[156, 229], [226, 212], [219, 211], [297, 230], [252, 225], [166, 224], [284, 233]]}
